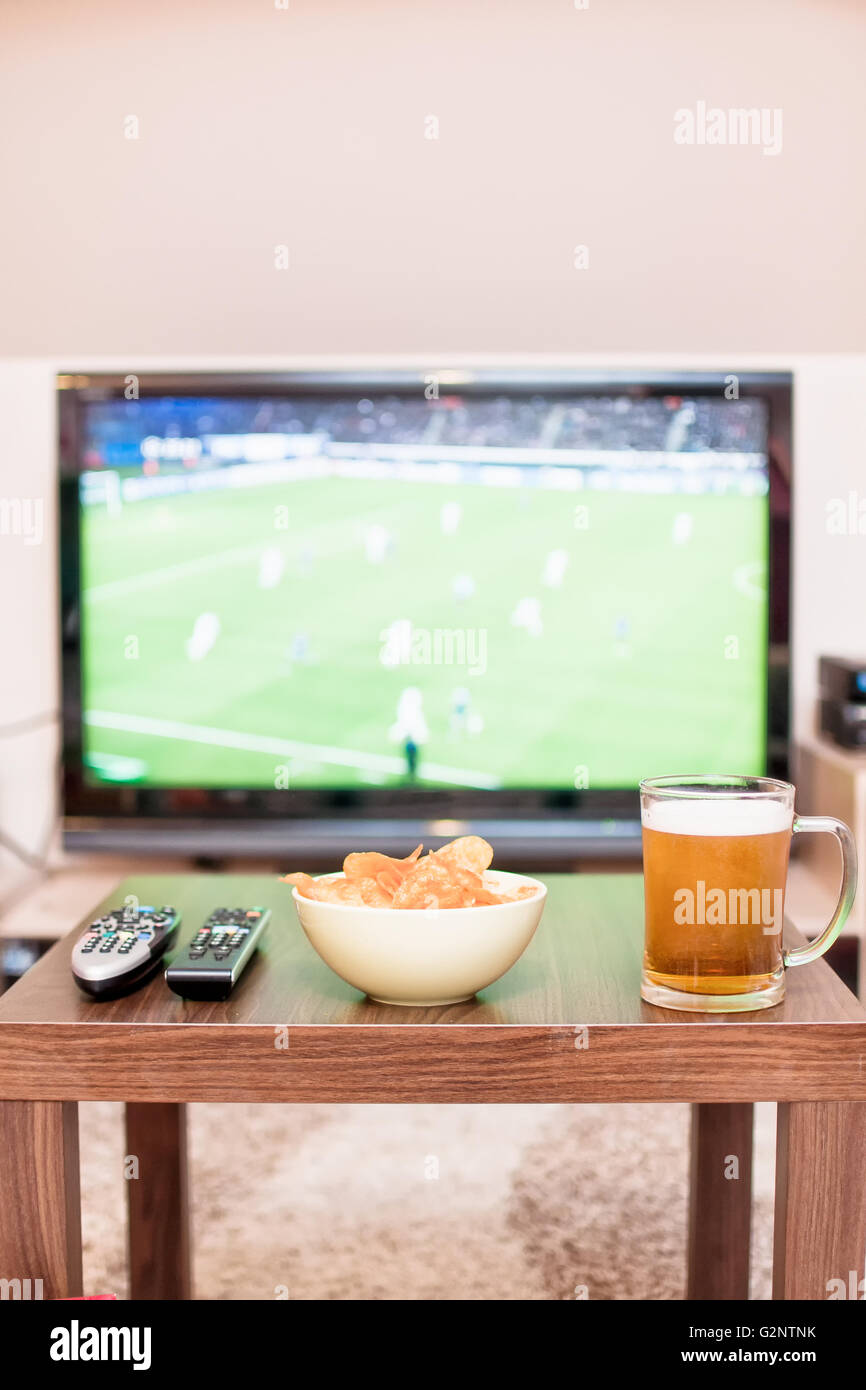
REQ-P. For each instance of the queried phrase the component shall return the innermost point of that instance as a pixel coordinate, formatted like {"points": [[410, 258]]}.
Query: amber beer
{"points": [[715, 857], [715, 892]]}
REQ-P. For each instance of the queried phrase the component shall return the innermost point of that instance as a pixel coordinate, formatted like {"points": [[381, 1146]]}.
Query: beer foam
{"points": [[717, 816]]}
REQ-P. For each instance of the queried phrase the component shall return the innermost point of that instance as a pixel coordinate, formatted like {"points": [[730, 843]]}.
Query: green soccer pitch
{"points": [[650, 657]]}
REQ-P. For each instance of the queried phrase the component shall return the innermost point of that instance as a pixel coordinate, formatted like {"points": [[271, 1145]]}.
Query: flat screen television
{"points": [[296, 601]]}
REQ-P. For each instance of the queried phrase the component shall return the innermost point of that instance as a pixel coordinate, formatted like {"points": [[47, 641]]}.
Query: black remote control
{"points": [[122, 949], [212, 963]]}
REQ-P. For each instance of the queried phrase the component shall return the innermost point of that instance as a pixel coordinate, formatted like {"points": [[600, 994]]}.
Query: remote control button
{"points": [[221, 954]]}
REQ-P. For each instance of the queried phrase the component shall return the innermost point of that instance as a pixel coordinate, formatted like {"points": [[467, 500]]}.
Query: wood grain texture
{"points": [[372, 1065], [820, 1232], [157, 1202], [515, 1042], [40, 1221], [720, 1202]]}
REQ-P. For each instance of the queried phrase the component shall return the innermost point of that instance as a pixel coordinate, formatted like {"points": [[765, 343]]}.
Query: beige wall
{"points": [[261, 126]]}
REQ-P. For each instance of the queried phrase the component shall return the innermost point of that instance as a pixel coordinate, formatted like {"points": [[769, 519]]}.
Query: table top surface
{"points": [[582, 967], [566, 1023]]}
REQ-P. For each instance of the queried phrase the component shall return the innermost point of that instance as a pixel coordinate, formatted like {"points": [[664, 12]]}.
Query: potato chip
{"points": [[304, 884], [370, 864], [450, 877], [426, 878], [477, 895], [373, 895], [469, 852], [525, 890], [326, 891], [346, 890]]}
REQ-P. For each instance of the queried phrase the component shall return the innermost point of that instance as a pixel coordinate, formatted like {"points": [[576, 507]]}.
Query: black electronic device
{"points": [[844, 722], [122, 949], [494, 497], [212, 963], [842, 679]]}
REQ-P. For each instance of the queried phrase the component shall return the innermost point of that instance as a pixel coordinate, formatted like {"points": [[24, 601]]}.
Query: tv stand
{"points": [[529, 843]]}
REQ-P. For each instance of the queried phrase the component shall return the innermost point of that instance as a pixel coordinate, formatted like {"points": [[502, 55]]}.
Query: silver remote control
{"points": [[123, 948]]}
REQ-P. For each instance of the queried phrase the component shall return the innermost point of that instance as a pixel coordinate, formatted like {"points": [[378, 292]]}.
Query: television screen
{"points": [[561, 590]]}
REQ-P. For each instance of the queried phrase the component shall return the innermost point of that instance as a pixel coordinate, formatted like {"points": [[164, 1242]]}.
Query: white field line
{"points": [[151, 578], [283, 748]]}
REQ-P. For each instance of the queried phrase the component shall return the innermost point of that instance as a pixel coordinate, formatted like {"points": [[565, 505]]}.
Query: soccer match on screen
{"points": [[433, 589]]}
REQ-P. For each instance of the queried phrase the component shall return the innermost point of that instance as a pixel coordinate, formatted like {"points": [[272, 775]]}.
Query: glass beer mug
{"points": [[715, 859]]}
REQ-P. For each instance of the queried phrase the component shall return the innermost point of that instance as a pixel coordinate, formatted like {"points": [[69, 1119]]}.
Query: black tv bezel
{"points": [[193, 820]]}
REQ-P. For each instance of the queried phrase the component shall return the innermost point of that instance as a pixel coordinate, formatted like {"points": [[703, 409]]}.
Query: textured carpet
{"points": [[424, 1202]]}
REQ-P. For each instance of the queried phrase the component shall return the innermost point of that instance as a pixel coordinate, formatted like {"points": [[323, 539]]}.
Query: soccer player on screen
{"points": [[378, 544], [463, 720], [459, 719], [527, 614], [554, 569], [299, 650], [463, 587], [410, 727], [621, 634], [450, 517], [271, 564], [205, 632]]}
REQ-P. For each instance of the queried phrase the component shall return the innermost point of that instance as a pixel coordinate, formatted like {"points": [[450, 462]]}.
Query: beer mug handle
{"points": [[830, 826]]}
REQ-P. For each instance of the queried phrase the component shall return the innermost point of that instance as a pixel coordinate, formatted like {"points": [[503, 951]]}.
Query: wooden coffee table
{"points": [[565, 1025]]}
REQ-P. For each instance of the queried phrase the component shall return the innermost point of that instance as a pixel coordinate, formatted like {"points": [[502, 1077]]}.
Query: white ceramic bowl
{"points": [[423, 956]]}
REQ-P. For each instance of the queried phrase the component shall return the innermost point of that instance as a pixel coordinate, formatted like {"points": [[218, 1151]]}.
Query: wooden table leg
{"points": [[159, 1243], [720, 1202], [820, 1233], [40, 1199]]}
